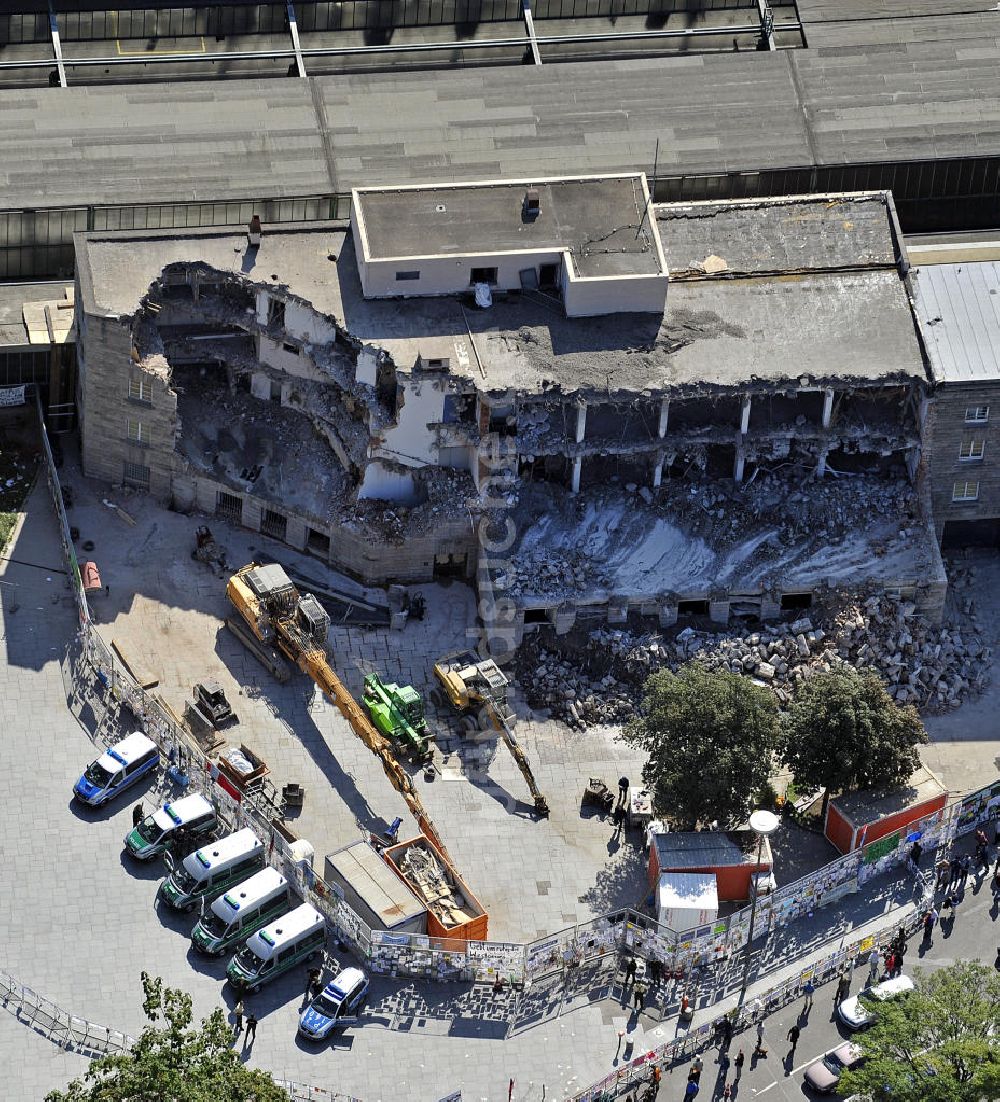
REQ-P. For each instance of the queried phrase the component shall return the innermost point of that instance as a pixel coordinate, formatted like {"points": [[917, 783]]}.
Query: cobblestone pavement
{"points": [[81, 922]]}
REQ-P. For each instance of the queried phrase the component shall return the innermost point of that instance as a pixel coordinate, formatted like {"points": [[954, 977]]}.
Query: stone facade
{"points": [[962, 460]]}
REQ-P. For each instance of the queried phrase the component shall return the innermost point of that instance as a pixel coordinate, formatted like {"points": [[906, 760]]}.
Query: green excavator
{"points": [[398, 712]]}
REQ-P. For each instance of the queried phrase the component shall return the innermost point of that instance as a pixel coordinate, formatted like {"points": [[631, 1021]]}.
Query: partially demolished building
{"points": [[502, 379]]}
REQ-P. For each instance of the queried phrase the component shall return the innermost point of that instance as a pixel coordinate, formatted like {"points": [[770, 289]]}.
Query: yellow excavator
{"points": [[297, 625], [478, 684]]}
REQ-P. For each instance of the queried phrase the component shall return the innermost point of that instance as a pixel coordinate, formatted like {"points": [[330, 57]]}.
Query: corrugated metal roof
{"points": [[958, 306]]}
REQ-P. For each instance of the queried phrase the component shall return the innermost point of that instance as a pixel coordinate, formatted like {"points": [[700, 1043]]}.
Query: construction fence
{"points": [[638, 1069]]}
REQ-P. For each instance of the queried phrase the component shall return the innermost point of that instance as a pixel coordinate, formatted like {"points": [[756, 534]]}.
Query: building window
{"points": [[276, 312], [971, 450], [292, 349], [483, 275], [403, 277], [136, 433], [977, 414], [965, 491], [141, 390], [135, 474]]}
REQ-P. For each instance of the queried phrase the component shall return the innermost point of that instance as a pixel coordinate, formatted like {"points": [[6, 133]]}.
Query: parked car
{"points": [[336, 1007], [824, 1074], [855, 1016]]}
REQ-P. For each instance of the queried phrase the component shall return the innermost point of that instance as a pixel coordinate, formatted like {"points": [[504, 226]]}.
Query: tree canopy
{"points": [[941, 1043], [711, 737], [173, 1062], [843, 732]]}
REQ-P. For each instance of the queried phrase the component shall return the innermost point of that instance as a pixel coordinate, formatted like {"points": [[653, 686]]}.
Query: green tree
{"points": [[843, 732], [939, 1044], [711, 737], [173, 1062]]}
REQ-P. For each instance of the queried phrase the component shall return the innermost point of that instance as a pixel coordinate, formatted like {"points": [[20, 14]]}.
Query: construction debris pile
{"points": [[934, 669], [445, 494], [550, 574], [433, 884]]}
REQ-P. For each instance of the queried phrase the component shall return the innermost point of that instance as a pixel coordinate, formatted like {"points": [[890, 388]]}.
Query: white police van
{"points": [[119, 767], [296, 936], [193, 814], [241, 911], [212, 869]]}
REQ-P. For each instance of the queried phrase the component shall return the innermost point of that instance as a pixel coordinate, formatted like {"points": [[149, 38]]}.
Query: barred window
{"points": [[136, 474]]}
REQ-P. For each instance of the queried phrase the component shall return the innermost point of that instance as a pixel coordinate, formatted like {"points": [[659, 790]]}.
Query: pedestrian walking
{"points": [[137, 815], [760, 1050], [237, 1019], [930, 917], [622, 791], [618, 818], [694, 1075], [726, 1031], [691, 1090], [890, 963], [655, 970], [916, 852], [955, 870], [697, 1064], [314, 982], [793, 1038], [639, 995], [739, 1062], [630, 970], [942, 868], [966, 867], [874, 964], [808, 990], [981, 839], [251, 1029]]}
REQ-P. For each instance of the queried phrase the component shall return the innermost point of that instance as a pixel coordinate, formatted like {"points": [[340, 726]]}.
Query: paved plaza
{"points": [[81, 922]]}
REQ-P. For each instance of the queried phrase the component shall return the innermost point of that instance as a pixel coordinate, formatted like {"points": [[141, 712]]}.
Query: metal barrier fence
{"points": [[67, 1030], [638, 1070]]}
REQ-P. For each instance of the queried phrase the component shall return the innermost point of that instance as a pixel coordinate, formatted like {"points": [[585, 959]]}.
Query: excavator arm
{"points": [[519, 756], [313, 661]]}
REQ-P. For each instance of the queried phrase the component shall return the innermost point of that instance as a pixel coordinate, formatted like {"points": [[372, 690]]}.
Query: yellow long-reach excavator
{"points": [[297, 625], [471, 683]]}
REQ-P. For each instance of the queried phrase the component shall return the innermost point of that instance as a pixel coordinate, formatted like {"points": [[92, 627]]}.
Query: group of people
{"points": [[640, 986], [239, 1010]]}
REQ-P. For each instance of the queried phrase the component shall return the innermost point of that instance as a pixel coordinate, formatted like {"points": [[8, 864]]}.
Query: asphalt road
{"points": [[779, 1076]]}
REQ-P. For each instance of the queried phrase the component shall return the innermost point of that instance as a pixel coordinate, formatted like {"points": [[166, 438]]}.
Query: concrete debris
{"points": [[598, 679], [550, 574]]}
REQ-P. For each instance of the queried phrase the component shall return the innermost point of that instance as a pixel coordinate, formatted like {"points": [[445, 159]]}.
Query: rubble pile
{"points": [[719, 510], [934, 669], [551, 573]]}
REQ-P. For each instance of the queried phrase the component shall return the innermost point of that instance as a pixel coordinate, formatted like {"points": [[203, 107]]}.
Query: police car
{"points": [[336, 1007], [116, 769]]}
